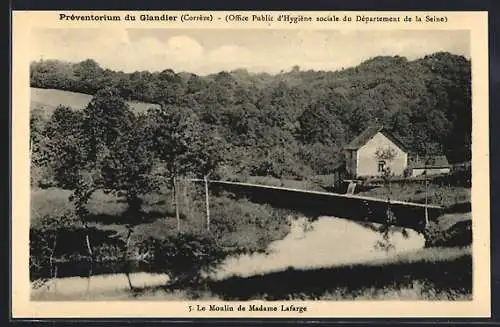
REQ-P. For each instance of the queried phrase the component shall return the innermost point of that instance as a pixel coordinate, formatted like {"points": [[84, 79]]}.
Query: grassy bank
{"points": [[432, 274], [435, 274], [236, 226], [442, 195]]}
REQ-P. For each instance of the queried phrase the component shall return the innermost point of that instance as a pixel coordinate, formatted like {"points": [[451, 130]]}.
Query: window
{"points": [[381, 166]]}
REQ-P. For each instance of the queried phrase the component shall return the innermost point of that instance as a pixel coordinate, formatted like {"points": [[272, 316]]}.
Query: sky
{"points": [[205, 51]]}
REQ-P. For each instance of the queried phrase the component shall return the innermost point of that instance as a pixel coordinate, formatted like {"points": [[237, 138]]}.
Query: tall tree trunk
{"points": [[81, 197], [133, 216], [127, 273], [129, 281]]}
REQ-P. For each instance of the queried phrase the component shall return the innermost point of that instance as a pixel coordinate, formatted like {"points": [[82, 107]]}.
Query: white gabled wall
{"points": [[367, 162]]}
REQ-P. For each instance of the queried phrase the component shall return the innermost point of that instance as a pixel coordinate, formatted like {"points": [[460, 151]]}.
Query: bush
{"points": [[245, 225], [457, 177], [44, 234], [41, 177], [62, 237], [433, 234], [183, 256], [459, 234]]}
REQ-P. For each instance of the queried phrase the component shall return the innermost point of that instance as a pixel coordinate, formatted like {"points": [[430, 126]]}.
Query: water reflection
{"points": [[97, 286], [326, 242]]}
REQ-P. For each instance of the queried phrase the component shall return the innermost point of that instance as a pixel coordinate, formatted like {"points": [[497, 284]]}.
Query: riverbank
{"points": [[236, 226], [421, 280], [330, 259]]}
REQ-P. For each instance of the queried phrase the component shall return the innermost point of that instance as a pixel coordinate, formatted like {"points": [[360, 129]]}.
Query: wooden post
{"points": [[129, 234], [426, 202], [89, 277], [176, 200], [207, 203], [187, 198], [89, 247], [55, 277], [129, 281], [428, 159]]}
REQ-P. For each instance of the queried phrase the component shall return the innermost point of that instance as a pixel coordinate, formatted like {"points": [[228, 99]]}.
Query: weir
{"points": [[347, 206], [351, 188]]}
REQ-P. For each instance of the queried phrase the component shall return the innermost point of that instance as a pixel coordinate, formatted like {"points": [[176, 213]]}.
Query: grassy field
{"points": [[287, 183], [415, 192], [50, 99], [410, 191]]}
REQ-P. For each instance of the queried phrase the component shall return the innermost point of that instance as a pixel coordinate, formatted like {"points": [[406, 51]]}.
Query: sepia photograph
{"points": [[259, 171], [175, 164]]}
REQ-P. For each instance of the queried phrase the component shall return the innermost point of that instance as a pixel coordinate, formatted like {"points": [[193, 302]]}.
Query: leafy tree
{"points": [[129, 166], [182, 142], [117, 159], [52, 74], [324, 121], [37, 125], [169, 88], [95, 149], [386, 155], [243, 124], [319, 157], [62, 146], [44, 236], [87, 73], [321, 125]]}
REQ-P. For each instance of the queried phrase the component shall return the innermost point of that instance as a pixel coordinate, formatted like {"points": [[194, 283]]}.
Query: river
{"points": [[326, 242]]}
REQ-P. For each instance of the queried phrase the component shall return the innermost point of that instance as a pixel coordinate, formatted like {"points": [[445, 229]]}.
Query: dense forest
{"points": [[289, 125]]}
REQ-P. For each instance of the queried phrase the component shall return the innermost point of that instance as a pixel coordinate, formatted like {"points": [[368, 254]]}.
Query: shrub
{"points": [[41, 177], [246, 225], [183, 256], [44, 234], [459, 234], [433, 234], [62, 237], [457, 177]]}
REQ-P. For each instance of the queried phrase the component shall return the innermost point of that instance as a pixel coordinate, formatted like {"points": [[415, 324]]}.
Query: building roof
{"points": [[368, 134], [432, 162]]}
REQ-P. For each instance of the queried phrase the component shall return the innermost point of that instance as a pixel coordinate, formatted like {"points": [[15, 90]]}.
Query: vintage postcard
{"points": [[250, 164]]}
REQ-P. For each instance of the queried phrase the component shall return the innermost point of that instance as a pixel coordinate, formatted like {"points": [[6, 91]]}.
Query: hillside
{"points": [[295, 123], [50, 99]]}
